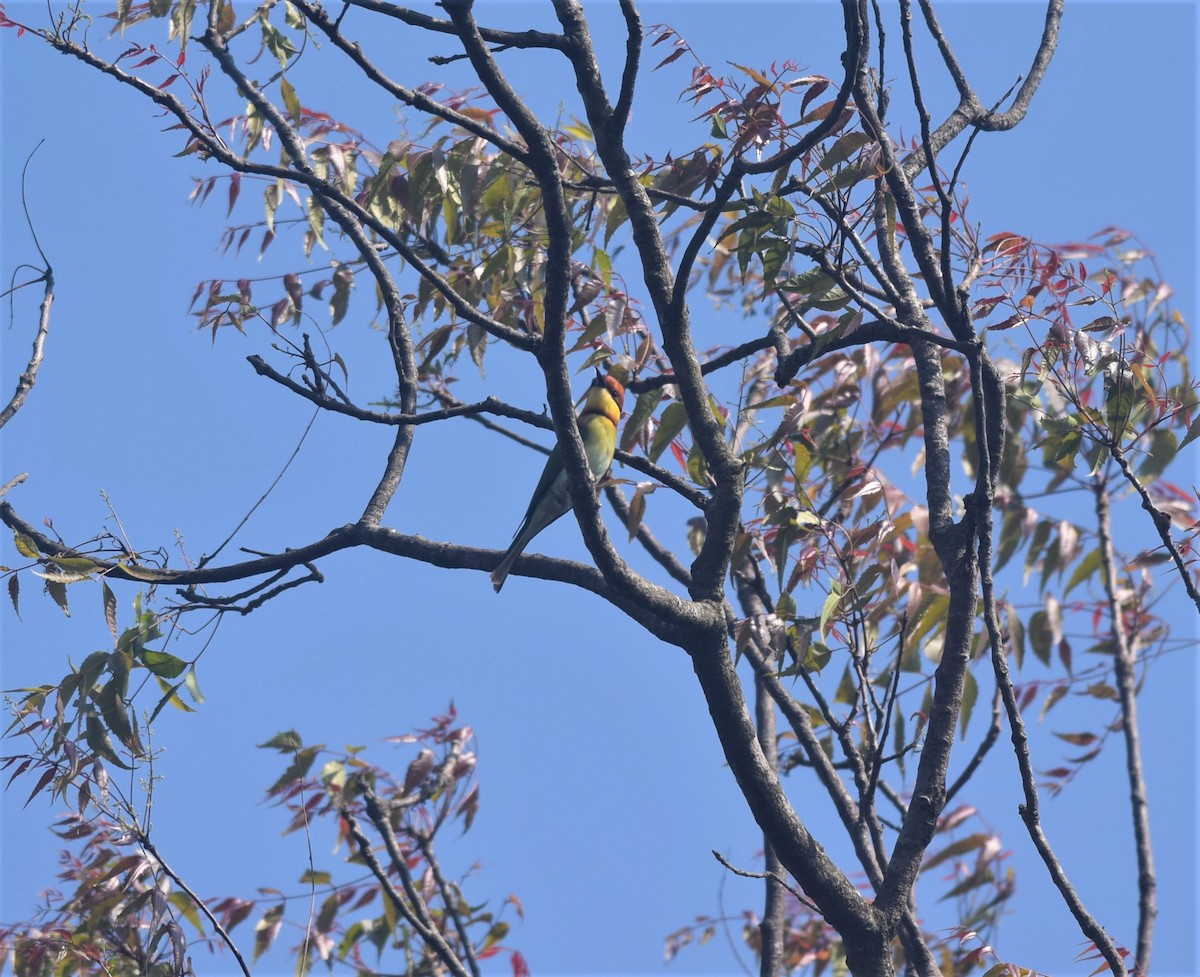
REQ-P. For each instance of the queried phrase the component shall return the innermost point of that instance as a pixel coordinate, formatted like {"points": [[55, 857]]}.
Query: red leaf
{"points": [[673, 56], [812, 93], [235, 187], [44, 779]]}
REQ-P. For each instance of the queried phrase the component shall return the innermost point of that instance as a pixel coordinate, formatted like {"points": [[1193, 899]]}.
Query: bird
{"points": [[551, 498]]}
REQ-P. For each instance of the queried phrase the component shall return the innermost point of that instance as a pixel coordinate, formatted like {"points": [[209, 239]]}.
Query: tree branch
{"points": [[1162, 522], [1124, 666]]}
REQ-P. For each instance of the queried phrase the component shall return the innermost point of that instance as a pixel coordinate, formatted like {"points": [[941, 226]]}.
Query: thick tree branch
{"points": [[669, 618], [970, 112], [708, 570], [543, 162], [867, 940]]}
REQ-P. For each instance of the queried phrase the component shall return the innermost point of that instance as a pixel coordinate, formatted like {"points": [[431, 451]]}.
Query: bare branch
{"points": [[1124, 666], [1162, 522], [970, 112], [148, 847], [508, 39], [29, 375], [418, 100]]}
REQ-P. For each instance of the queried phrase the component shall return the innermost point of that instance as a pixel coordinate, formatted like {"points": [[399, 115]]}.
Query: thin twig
{"points": [[1124, 667], [800, 896], [148, 846], [29, 375], [1162, 522]]}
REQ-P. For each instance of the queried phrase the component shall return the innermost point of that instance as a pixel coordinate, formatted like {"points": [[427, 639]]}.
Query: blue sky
{"points": [[602, 783]]}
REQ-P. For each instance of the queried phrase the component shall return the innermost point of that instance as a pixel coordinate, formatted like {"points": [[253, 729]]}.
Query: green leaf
{"points": [[297, 769], [278, 43], [847, 690], [1162, 451], [1041, 635], [291, 100], [285, 742], [26, 546], [98, 742], [1193, 432], [267, 928], [595, 328], [170, 695], [110, 609], [163, 664], [673, 420], [970, 694], [313, 877], [843, 149], [637, 512], [817, 656], [830, 607], [1084, 569], [813, 280], [643, 410], [116, 716]]}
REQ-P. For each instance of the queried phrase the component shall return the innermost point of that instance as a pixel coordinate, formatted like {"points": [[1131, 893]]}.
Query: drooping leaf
{"points": [[672, 422]]}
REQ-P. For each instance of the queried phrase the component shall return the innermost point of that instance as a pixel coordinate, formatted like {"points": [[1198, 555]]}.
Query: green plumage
{"points": [[551, 498]]}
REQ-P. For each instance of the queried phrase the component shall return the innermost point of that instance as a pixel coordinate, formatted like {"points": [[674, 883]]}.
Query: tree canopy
{"points": [[868, 486]]}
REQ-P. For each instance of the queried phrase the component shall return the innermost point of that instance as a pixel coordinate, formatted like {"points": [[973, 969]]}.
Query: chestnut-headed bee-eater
{"points": [[551, 499]]}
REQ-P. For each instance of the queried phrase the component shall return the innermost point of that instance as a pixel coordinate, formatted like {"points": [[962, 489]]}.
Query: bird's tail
{"points": [[500, 574]]}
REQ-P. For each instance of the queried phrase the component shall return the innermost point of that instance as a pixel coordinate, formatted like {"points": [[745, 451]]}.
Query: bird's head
{"points": [[615, 388], [605, 395]]}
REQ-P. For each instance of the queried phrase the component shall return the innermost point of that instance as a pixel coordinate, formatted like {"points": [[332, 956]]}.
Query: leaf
{"points": [[170, 695], [1084, 569], [1041, 635], [1078, 739], [267, 928], [598, 325], [98, 742], [1052, 699], [110, 609], [434, 343], [830, 607], [343, 282], [970, 694], [116, 715], [673, 420], [163, 664], [956, 848], [297, 769], [14, 593], [286, 742], [643, 410], [843, 149], [58, 591], [637, 512], [26, 546], [1193, 432], [291, 100]]}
